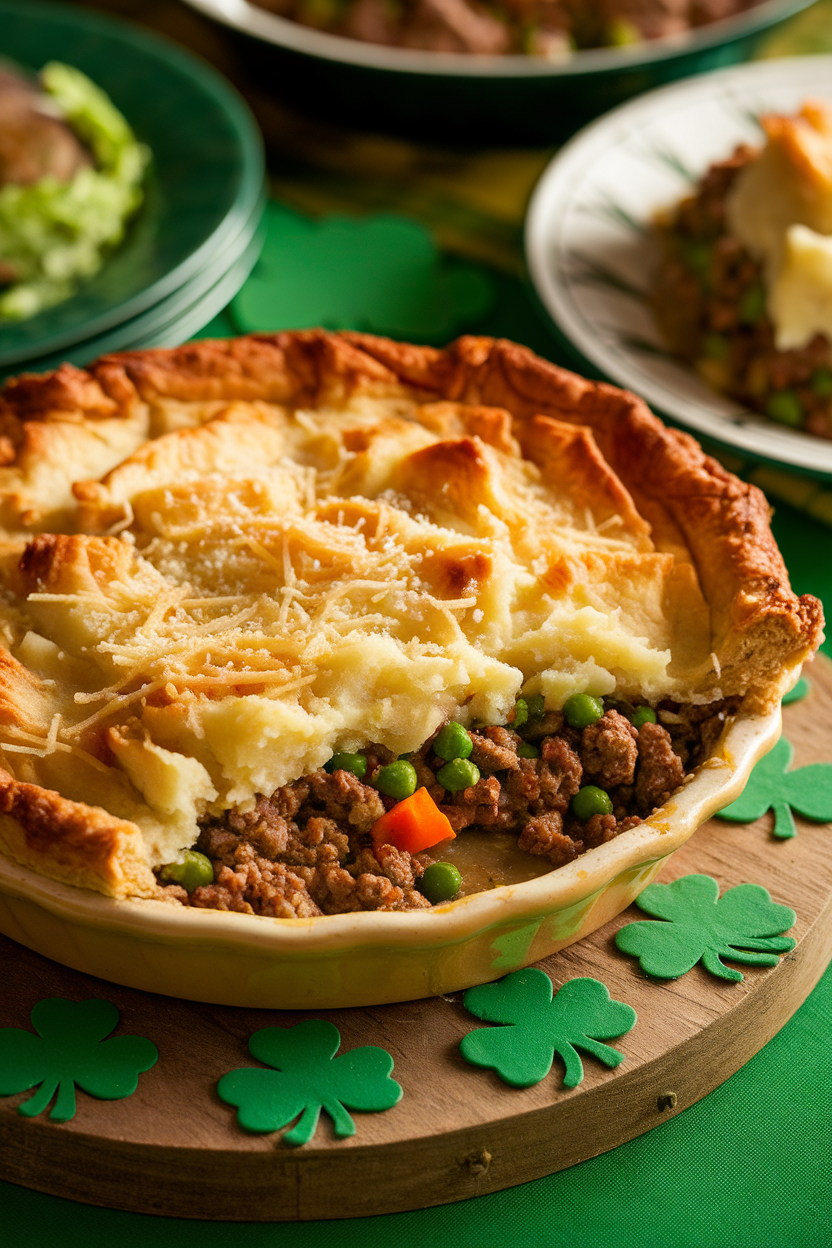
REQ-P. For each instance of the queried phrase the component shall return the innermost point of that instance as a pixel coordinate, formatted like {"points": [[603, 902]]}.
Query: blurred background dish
{"points": [[456, 97], [591, 254], [173, 320], [204, 188], [551, 29]]}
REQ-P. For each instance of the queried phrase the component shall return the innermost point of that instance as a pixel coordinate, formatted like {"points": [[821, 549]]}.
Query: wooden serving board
{"points": [[174, 1148]]}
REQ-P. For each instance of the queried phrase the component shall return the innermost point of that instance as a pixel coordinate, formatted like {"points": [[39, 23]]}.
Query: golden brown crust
{"points": [[602, 444], [758, 623], [805, 140], [724, 521], [78, 844]]}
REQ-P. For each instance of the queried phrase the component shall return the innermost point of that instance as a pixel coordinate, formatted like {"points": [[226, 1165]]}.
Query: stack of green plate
{"points": [[198, 233]]}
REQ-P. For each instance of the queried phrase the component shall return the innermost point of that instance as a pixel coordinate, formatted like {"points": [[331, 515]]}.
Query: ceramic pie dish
{"points": [[344, 960], [237, 570]]}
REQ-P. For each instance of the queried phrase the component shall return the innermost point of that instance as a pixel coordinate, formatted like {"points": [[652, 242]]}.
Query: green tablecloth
{"points": [[748, 1167]]}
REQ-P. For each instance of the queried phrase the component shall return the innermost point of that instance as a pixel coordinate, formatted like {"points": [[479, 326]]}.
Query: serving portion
{"points": [[744, 289], [626, 294], [290, 619]]}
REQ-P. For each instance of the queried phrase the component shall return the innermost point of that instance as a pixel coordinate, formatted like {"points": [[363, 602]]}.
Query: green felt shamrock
{"points": [[798, 693], [702, 926], [70, 1048], [771, 786], [307, 1078], [540, 1025], [381, 274]]}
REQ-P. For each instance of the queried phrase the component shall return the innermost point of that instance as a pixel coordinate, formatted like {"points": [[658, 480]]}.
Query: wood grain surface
{"points": [[174, 1148]]}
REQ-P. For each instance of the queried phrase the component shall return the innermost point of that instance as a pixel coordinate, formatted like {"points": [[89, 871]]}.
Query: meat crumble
{"points": [[552, 29], [308, 849]]}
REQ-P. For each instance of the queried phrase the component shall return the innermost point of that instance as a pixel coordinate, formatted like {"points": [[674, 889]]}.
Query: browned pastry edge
{"points": [[760, 628], [757, 622], [723, 522], [78, 844]]}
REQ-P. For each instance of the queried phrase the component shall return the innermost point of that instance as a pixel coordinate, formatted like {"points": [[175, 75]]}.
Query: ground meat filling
{"points": [[709, 300], [547, 28], [610, 751], [308, 850]]}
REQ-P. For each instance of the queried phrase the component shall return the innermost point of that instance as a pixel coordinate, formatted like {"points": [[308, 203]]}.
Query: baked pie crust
{"points": [[223, 562]]}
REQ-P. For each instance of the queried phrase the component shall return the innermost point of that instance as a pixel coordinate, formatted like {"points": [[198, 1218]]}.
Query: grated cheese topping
{"points": [[233, 602]]}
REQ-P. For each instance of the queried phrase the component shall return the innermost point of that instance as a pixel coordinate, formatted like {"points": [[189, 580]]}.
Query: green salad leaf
{"points": [[54, 234]]}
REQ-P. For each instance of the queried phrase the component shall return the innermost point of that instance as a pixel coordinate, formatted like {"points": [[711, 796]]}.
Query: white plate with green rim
{"points": [[590, 251]]}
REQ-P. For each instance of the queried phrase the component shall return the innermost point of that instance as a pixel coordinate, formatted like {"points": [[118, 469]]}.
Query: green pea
{"points": [[822, 382], [643, 715], [590, 800], [458, 774], [527, 750], [321, 13], [619, 33], [194, 869], [715, 347], [582, 709], [536, 706], [397, 779], [785, 407], [356, 763], [521, 713], [752, 304], [696, 256], [440, 882], [453, 742]]}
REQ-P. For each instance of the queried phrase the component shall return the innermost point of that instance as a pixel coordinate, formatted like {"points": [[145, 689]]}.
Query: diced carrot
{"points": [[413, 824]]}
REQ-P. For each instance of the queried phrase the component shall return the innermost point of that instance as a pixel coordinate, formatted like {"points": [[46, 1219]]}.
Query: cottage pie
{"points": [[286, 619]]}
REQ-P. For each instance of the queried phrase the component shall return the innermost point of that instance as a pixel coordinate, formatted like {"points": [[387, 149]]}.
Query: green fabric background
{"points": [[748, 1167]]}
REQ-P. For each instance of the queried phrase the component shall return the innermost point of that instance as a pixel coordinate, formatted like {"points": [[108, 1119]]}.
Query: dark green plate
{"points": [[450, 97], [180, 325], [173, 320], [205, 179]]}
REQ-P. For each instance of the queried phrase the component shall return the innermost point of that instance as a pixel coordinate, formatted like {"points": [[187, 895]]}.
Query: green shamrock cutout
{"points": [[701, 926], [771, 786], [308, 1077], [70, 1048], [382, 274], [798, 693], [539, 1025]]}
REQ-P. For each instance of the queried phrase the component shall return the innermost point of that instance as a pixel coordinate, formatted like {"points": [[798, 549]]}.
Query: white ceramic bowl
{"points": [[590, 252], [369, 958]]}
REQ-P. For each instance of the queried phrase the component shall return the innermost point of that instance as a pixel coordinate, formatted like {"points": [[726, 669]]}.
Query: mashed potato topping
{"points": [[249, 596], [225, 563]]}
